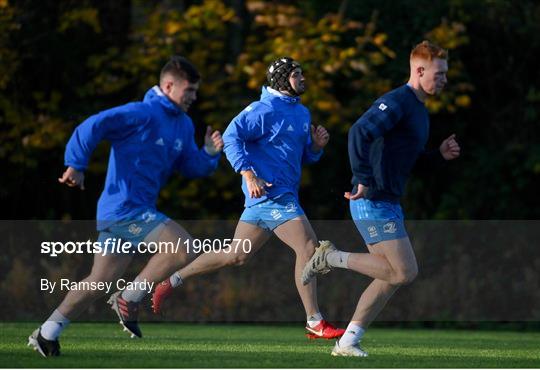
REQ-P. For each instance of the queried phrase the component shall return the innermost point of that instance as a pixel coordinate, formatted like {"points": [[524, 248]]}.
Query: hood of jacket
{"points": [[155, 95], [270, 94]]}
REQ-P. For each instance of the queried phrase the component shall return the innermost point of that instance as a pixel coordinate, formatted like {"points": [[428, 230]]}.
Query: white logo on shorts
{"points": [[134, 229], [276, 215], [290, 128], [382, 106], [290, 207], [389, 227], [372, 230], [148, 217], [306, 127]]}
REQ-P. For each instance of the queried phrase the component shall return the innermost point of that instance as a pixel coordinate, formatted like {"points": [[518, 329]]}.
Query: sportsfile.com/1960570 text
{"points": [[119, 246]]}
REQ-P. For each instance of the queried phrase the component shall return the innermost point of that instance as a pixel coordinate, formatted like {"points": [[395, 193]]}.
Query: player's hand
{"points": [[71, 177], [319, 137], [213, 142], [256, 186], [361, 191], [450, 148]]}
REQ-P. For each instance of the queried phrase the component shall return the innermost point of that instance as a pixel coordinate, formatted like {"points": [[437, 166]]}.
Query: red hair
{"points": [[428, 51]]}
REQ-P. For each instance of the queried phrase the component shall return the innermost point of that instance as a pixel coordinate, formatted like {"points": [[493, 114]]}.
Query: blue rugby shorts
{"points": [[378, 220], [135, 229], [273, 212]]}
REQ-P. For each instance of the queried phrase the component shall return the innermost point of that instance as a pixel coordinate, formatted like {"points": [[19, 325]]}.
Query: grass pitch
{"points": [[173, 345]]}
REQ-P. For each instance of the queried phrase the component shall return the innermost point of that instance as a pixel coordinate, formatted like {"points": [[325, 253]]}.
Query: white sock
{"points": [[338, 259], [353, 335], [176, 280], [54, 325], [136, 293], [314, 320]]}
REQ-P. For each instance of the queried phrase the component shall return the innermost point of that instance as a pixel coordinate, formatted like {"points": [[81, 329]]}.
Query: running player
{"points": [[149, 140], [267, 143], [384, 145]]}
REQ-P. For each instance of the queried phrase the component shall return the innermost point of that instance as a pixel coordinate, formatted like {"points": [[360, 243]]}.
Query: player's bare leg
{"points": [[400, 256], [327, 257], [373, 265], [238, 254], [106, 268], [299, 235], [162, 264]]}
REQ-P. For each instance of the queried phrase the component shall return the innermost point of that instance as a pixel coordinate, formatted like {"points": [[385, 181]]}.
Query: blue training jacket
{"points": [[387, 141], [272, 137], [149, 140]]}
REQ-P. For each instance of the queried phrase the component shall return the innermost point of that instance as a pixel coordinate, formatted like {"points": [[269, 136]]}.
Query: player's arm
{"points": [[247, 126], [255, 185], [316, 141], [71, 177], [195, 162], [380, 118], [112, 124]]}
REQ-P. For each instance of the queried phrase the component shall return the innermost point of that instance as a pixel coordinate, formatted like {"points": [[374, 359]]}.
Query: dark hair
{"points": [[180, 68]]}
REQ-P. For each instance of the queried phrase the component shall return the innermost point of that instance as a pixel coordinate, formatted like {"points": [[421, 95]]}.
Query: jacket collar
{"points": [[268, 93], [155, 95]]}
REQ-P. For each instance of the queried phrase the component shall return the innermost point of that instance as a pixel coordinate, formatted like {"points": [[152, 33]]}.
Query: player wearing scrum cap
{"points": [[267, 143]]}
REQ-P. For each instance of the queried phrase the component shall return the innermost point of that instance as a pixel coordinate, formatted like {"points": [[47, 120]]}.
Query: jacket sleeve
{"points": [[380, 118], [195, 162], [309, 156], [113, 124], [244, 127]]}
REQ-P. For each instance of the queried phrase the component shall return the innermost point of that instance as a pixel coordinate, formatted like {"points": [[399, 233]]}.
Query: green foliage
{"points": [[62, 61], [331, 50]]}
